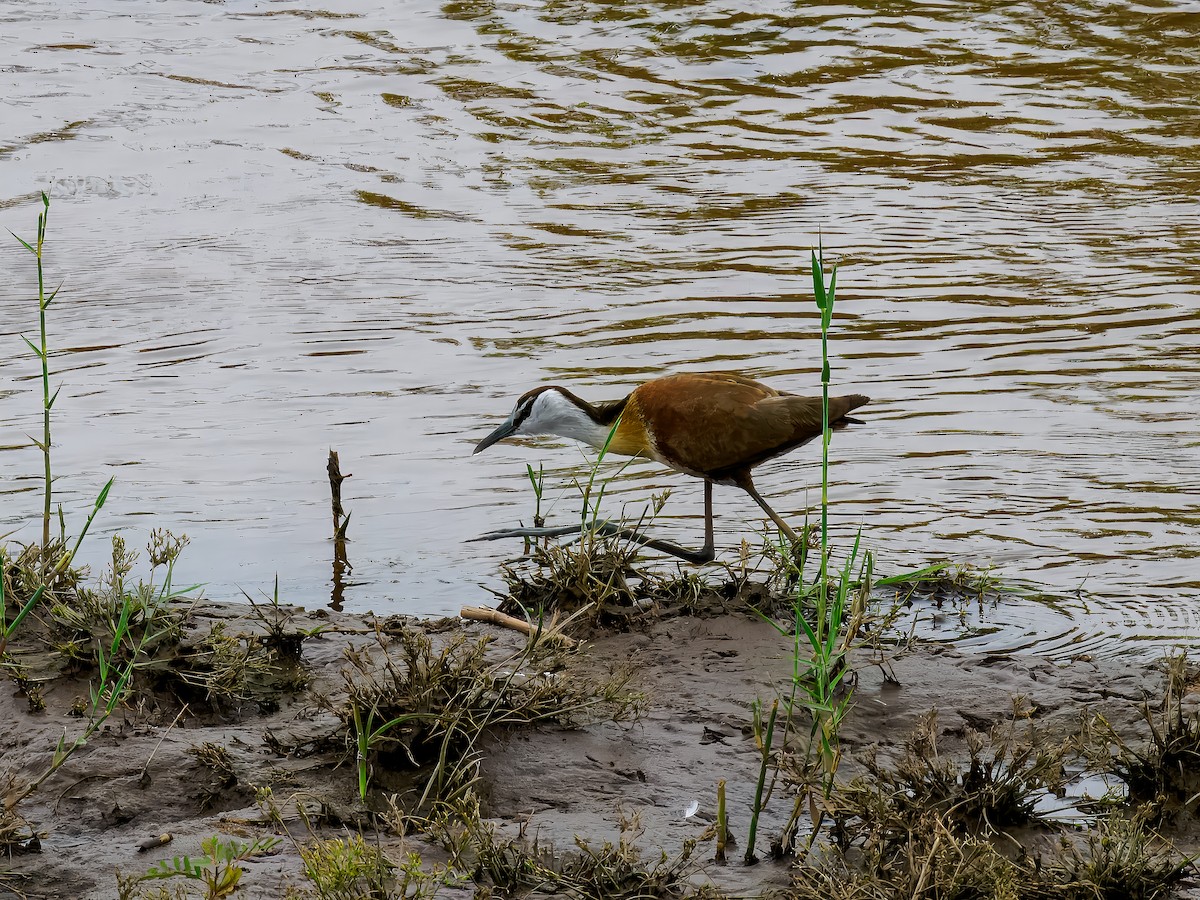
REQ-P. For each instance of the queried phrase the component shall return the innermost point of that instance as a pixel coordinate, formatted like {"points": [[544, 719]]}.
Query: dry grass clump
{"points": [[256, 659], [1165, 770], [43, 647], [219, 774], [34, 566], [928, 828], [417, 708], [1122, 858], [1007, 773], [78, 625], [148, 625], [129, 641], [1118, 859], [602, 576], [597, 573], [16, 833], [519, 867], [936, 863], [233, 666]]}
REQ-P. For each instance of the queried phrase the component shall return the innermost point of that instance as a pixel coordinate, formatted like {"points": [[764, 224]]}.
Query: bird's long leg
{"points": [[748, 486], [705, 554]]}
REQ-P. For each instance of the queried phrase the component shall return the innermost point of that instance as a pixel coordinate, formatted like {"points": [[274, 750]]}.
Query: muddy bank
{"points": [[252, 770]]}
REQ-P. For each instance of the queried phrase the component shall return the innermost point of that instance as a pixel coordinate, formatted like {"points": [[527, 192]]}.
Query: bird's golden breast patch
{"points": [[631, 438]]}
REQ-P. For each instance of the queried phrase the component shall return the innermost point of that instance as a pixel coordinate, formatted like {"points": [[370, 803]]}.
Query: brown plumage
{"points": [[719, 426], [712, 425]]}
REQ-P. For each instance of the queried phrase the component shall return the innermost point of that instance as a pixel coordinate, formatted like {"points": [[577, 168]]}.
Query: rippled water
{"points": [[285, 229]]}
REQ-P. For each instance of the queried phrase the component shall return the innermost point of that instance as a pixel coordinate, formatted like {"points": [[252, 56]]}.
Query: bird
{"points": [[716, 426]]}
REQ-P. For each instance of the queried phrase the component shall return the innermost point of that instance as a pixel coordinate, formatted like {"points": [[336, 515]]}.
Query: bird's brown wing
{"points": [[719, 425]]}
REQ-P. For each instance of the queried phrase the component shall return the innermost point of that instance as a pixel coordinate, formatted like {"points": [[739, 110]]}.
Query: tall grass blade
{"points": [[756, 810], [914, 575], [24, 243]]}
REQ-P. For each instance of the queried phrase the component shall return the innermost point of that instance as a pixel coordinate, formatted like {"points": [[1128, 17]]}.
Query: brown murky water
{"points": [[285, 229]]}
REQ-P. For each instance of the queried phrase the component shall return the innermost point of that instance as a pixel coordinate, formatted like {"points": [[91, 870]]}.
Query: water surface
{"points": [[285, 228]]}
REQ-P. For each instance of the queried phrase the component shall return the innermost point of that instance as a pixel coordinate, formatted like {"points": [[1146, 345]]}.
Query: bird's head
{"points": [[544, 410]]}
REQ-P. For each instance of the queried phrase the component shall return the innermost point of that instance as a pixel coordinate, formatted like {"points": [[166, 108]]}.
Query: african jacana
{"points": [[710, 425]]}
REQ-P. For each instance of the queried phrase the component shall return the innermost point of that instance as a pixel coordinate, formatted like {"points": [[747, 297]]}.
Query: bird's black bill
{"points": [[498, 435]]}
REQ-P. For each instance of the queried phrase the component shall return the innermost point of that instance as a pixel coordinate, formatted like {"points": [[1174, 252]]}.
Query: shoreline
{"points": [[139, 777]]}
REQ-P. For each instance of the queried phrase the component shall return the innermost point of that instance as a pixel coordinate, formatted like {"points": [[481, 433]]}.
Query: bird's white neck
{"points": [[552, 413]]}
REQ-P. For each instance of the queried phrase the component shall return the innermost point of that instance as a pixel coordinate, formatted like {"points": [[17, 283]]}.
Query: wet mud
{"points": [[144, 774]]}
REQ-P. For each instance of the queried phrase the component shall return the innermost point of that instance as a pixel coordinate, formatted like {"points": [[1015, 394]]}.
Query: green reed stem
{"points": [[41, 351], [825, 300], [826, 649], [47, 400], [538, 480], [591, 509], [722, 823], [767, 739], [366, 738]]}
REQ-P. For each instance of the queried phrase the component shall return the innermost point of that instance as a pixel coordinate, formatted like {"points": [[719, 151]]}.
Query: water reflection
{"points": [[291, 229]]}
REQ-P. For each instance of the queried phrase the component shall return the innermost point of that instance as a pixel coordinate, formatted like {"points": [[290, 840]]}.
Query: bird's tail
{"points": [[840, 407]]}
